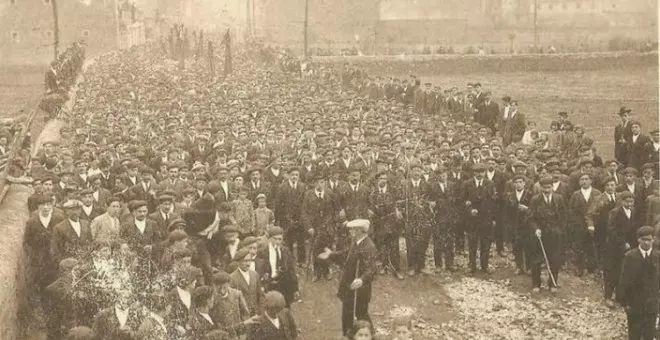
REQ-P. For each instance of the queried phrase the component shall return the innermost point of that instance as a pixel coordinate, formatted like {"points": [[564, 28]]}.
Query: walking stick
{"points": [[357, 270], [547, 263]]}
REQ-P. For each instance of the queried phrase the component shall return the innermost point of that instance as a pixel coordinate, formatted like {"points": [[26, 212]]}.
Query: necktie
{"points": [[611, 198], [167, 217]]}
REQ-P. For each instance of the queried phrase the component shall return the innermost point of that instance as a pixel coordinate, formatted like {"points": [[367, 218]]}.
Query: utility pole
{"points": [[536, 37], [305, 41], [56, 29], [248, 21]]}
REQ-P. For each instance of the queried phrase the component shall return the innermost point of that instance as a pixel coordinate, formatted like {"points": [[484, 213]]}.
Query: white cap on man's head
{"points": [[359, 223]]}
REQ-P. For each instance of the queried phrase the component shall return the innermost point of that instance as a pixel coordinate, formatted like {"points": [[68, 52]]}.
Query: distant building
{"points": [[26, 28]]}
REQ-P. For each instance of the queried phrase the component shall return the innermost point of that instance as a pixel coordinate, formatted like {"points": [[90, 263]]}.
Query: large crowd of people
{"points": [[183, 206]]}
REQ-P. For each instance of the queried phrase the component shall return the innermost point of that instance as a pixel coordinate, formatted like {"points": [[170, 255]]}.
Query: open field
{"points": [[590, 97], [20, 88]]}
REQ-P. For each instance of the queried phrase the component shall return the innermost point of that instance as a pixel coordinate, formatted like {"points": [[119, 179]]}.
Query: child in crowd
{"points": [[362, 330], [264, 217], [403, 329], [530, 132], [243, 213]]}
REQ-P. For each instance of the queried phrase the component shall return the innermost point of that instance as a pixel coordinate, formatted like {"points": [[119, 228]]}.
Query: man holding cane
{"points": [[359, 270], [548, 218]]}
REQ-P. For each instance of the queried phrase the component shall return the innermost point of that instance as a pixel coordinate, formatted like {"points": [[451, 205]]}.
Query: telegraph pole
{"points": [[536, 37], [56, 29], [305, 41]]}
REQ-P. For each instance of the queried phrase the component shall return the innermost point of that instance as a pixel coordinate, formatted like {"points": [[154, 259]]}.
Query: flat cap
{"points": [[221, 277], [478, 167], [230, 228], [241, 254], [274, 299], [630, 170], [248, 241], [546, 181], [70, 204], [645, 231], [359, 223], [274, 231], [136, 204], [625, 195]]}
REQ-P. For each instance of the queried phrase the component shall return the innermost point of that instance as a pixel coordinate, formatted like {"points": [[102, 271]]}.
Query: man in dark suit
{"points": [[38, 231], [288, 211], [639, 285], [386, 223], [256, 185], [141, 234], [317, 220], [582, 228], [622, 132], [51, 82], [222, 188], [359, 271], [548, 218], [247, 281], [637, 142], [512, 126], [280, 268], [276, 323], [90, 210], [164, 215], [417, 218], [478, 197], [443, 195], [653, 150], [623, 223], [516, 216], [72, 237], [487, 112], [500, 180]]}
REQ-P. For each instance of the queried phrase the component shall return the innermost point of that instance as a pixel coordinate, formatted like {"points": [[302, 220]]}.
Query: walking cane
{"points": [[547, 263], [357, 270]]}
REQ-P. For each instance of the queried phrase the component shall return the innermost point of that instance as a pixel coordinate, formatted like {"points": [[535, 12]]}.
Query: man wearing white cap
{"points": [[359, 270]]}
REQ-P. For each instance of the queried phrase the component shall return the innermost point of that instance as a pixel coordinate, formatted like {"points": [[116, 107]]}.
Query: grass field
{"points": [[591, 98], [20, 88]]}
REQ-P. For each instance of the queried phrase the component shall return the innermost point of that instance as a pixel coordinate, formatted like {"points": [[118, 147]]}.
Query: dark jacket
{"points": [[640, 282]]}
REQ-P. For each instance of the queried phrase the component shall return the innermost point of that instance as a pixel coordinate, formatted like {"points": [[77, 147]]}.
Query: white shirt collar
{"points": [[207, 317], [321, 193], [246, 275], [586, 193], [122, 315], [76, 226], [184, 296], [360, 240], [141, 225], [45, 221], [159, 319], [272, 260], [645, 253], [275, 321], [233, 247], [87, 210]]}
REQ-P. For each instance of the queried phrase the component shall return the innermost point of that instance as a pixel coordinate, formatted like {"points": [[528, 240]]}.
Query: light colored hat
{"points": [[359, 223]]}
